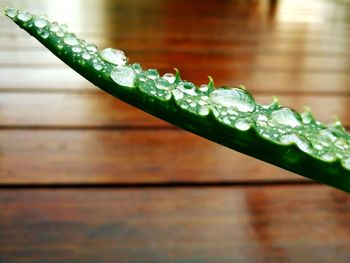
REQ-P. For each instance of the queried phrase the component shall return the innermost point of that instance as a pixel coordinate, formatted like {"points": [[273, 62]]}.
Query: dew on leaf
{"points": [[170, 77], [233, 98], [243, 124], [54, 27], [152, 74], [204, 87], [203, 111], [77, 49], [124, 76], [299, 140], [285, 116], [187, 88], [11, 12], [162, 84], [70, 39], [114, 56], [24, 16], [86, 55], [40, 22]]}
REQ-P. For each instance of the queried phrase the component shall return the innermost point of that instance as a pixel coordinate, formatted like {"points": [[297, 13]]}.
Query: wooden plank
{"points": [[268, 224], [102, 110], [238, 61], [185, 44], [124, 156], [274, 83]]}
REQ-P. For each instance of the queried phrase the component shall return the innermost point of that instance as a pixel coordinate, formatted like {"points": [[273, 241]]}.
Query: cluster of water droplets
{"points": [[234, 107]]}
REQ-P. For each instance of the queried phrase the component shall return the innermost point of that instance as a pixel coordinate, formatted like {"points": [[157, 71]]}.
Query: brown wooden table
{"points": [[87, 178]]}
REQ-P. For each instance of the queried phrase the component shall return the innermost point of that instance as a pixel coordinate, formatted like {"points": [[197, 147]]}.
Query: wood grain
{"points": [[124, 156], [270, 224]]}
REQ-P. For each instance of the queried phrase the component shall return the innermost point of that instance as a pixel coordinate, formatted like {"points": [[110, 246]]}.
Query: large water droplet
{"points": [[114, 56], [86, 55], [162, 84], [77, 49], [97, 66], [203, 111], [40, 22], [346, 163], [204, 87], [170, 77], [70, 39], [91, 48], [152, 73], [187, 87], [11, 12], [178, 95], [307, 117], [54, 27], [124, 76], [328, 157], [137, 67], [286, 116], [24, 16], [233, 98], [301, 142], [243, 124]]}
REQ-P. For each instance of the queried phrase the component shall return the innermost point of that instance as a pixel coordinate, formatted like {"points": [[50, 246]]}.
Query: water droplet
{"points": [[114, 56], [97, 66], [152, 74], [328, 157], [137, 67], [203, 111], [44, 34], [24, 16], [226, 120], [142, 77], [11, 12], [341, 143], [346, 163], [178, 95], [91, 48], [40, 22], [187, 88], [71, 40], [86, 55], [54, 27], [204, 87], [64, 28], [318, 147], [77, 49], [243, 124], [233, 98], [202, 102], [286, 116], [184, 106], [328, 133], [300, 141], [170, 77], [307, 117], [124, 76], [193, 104], [162, 84], [59, 33]]}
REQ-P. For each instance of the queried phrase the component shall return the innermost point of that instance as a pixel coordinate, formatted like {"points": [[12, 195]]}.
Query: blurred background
{"points": [[87, 178]]}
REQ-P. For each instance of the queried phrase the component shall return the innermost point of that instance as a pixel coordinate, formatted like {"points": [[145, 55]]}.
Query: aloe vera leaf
{"points": [[228, 116]]}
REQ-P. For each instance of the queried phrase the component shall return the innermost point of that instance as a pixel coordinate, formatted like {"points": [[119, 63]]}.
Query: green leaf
{"points": [[228, 116]]}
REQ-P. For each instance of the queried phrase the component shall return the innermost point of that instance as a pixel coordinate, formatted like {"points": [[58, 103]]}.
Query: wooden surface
{"points": [[87, 178]]}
